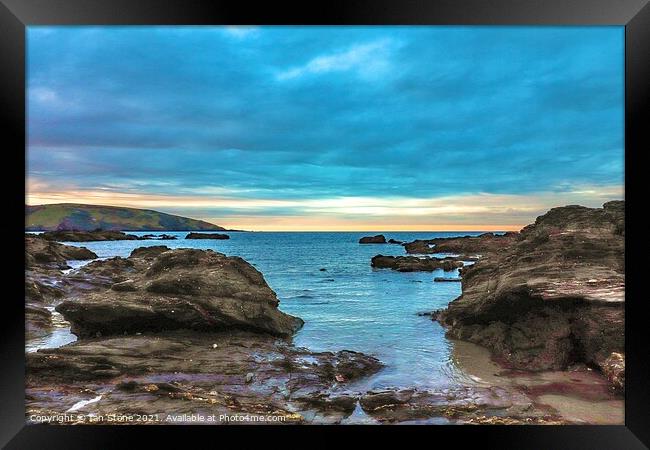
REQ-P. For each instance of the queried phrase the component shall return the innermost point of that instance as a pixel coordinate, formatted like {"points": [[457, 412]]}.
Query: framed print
{"points": [[330, 220]]}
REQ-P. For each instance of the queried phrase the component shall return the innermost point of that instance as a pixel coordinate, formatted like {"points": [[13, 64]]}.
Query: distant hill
{"points": [[71, 216]]}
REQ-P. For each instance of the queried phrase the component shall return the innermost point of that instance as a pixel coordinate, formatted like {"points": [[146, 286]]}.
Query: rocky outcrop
{"points": [[176, 289], [179, 372], [40, 252], [461, 404], [553, 296], [467, 246], [379, 239], [207, 236], [102, 235], [156, 237], [44, 261], [88, 236], [414, 264]]}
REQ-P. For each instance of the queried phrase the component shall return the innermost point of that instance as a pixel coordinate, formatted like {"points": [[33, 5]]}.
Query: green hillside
{"points": [[69, 216]]}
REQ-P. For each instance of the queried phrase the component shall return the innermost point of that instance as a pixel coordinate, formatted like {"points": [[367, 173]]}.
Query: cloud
{"points": [[366, 60], [385, 114], [242, 31]]}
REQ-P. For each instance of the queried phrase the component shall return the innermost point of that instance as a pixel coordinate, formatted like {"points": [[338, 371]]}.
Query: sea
{"points": [[326, 279]]}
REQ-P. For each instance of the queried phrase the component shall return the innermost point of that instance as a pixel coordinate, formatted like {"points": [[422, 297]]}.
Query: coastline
{"points": [[486, 398]]}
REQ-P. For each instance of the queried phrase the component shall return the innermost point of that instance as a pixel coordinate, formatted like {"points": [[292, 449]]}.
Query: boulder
{"points": [[551, 298], [177, 289], [40, 252], [414, 264], [379, 239]]}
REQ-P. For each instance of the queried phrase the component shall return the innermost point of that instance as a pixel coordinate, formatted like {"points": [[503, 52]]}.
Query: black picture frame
{"points": [[16, 15]]}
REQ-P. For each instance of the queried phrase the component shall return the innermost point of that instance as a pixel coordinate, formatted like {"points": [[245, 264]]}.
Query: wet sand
{"points": [[581, 396]]}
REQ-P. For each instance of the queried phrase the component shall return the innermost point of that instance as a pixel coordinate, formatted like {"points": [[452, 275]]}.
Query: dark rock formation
{"points": [[551, 298], [184, 372], [44, 261], [447, 279], [177, 289], [88, 236], [466, 245], [462, 404], [40, 252], [207, 236], [101, 235], [154, 237], [379, 239], [414, 264], [394, 241]]}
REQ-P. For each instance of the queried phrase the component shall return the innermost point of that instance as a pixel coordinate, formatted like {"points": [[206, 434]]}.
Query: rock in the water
{"points": [[161, 237], [394, 241], [184, 288], [466, 245], [379, 239], [551, 298], [88, 236], [447, 279], [207, 236], [414, 264]]}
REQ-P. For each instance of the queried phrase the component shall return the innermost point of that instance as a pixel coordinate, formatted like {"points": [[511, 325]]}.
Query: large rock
{"points": [[414, 264], [464, 245], [379, 239], [40, 252], [177, 289], [553, 297]]}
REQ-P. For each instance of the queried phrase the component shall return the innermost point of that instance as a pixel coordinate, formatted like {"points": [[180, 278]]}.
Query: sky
{"points": [[328, 128]]}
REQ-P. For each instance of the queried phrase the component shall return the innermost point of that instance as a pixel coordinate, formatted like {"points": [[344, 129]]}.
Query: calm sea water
{"points": [[349, 305]]}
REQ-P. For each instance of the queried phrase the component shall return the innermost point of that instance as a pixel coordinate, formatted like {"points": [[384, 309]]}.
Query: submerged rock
{"points": [[447, 279], [207, 236], [177, 289], [551, 298], [379, 239], [414, 264]]}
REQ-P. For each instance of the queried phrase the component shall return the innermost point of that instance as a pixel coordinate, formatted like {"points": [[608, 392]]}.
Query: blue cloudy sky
{"points": [[365, 128]]}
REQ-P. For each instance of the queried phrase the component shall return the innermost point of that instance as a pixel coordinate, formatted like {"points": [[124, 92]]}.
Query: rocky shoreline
{"points": [[170, 332], [99, 235], [547, 298]]}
